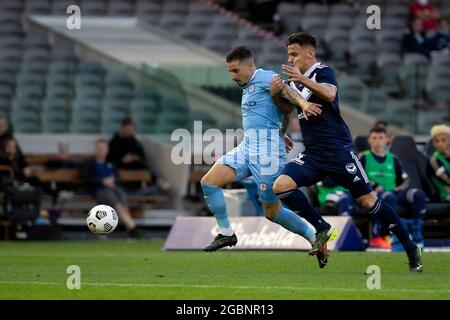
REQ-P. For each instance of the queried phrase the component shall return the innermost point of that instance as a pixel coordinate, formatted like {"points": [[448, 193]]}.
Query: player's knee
{"points": [[368, 200], [271, 210], [415, 196], [209, 179], [283, 184]]}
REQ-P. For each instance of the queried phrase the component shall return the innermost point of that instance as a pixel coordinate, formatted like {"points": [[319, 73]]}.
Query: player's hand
{"points": [[293, 73], [310, 109], [276, 85], [288, 143]]}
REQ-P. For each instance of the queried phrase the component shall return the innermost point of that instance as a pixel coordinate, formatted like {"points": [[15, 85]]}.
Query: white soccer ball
{"points": [[102, 219]]}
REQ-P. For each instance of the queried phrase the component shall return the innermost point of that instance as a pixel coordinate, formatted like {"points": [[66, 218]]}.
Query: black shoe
{"points": [[134, 234], [322, 256], [322, 237], [221, 241], [415, 261]]}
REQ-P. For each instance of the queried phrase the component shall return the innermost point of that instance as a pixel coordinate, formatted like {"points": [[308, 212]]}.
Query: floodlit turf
{"points": [[119, 269]]}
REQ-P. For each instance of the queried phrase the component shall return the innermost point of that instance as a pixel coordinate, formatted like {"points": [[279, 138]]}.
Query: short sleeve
{"points": [[326, 76], [267, 79]]}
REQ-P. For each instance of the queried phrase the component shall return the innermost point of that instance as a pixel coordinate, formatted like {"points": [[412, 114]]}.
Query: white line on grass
{"points": [[173, 285]]}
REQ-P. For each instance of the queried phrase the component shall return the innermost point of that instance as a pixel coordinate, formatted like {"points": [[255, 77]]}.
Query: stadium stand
{"points": [[49, 87]]}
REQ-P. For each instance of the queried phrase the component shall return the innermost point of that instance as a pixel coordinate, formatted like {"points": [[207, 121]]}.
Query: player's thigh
{"points": [[346, 170], [230, 167], [264, 181], [299, 172]]}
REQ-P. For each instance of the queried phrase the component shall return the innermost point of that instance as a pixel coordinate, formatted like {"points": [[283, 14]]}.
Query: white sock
{"points": [[226, 231]]}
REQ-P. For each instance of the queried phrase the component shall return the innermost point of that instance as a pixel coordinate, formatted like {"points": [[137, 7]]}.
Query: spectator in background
{"points": [[425, 11], [391, 183], [440, 161], [334, 198], [385, 125], [125, 151], [415, 39], [102, 178], [5, 133], [10, 156], [440, 40]]}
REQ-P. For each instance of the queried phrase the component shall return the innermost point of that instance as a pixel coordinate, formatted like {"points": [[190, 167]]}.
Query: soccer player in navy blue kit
{"points": [[329, 148]]}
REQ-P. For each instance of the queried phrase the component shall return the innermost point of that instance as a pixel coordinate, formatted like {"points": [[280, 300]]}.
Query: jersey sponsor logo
{"points": [[249, 104], [251, 89], [351, 168]]}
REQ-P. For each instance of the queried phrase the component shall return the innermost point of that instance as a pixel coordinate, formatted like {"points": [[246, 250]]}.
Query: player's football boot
{"points": [[221, 241], [322, 237], [415, 261], [322, 256]]}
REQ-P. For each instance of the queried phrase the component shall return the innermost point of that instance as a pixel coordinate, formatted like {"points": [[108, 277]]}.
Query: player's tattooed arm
{"points": [[285, 123], [281, 90], [283, 104], [440, 171], [326, 92]]}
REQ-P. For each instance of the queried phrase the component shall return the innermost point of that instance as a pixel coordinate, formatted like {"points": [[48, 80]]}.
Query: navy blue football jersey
{"points": [[327, 133]]}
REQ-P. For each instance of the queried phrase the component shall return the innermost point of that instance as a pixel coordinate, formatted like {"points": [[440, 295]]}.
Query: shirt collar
{"points": [[254, 74], [310, 70]]}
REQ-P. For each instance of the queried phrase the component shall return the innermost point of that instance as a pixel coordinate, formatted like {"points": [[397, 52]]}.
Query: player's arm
{"points": [[403, 180], [281, 90], [325, 91], [439, 170]]}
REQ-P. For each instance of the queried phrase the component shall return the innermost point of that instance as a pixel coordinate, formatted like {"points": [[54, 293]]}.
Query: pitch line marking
{"points": [[173, 285]]}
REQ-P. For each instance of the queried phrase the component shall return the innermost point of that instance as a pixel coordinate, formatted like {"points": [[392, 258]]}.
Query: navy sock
{"points": [[389, 217], [297, 202]]}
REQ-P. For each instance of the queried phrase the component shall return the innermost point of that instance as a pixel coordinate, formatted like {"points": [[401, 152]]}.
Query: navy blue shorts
{"points": [[344, 168]]}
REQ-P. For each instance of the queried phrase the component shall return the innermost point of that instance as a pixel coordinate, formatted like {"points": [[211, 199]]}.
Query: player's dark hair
{"points": [[377, 130], [302, 39], [239, 53], [126, 121]]}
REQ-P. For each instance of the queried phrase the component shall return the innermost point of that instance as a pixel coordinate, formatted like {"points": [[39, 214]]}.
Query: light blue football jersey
{"points": [[260, 112]]}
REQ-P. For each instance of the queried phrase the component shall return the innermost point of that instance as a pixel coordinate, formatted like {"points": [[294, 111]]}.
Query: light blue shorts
{"points": [[264, 169]]}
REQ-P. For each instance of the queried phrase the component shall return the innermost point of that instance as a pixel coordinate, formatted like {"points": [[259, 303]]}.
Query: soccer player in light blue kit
{"points": [[261, 154]]}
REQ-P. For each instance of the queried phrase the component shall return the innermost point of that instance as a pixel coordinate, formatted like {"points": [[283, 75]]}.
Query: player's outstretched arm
{"points": [[281, 90]]}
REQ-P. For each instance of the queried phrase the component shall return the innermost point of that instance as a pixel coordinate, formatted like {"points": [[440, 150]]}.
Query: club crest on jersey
{"points": [[251, 88], [262, 186], [351, 168]]}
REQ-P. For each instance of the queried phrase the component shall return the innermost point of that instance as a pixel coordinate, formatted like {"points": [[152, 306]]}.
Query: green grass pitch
{"points": [[118, 269]]}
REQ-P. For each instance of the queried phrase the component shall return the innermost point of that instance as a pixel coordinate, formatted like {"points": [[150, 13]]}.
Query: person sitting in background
{"points": [[390, 181], [425, 11], [101, 176], [416, 40], [440, 160], [440, 41], [10, 156], [125, 151], [334, 198], [5, 133]]}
